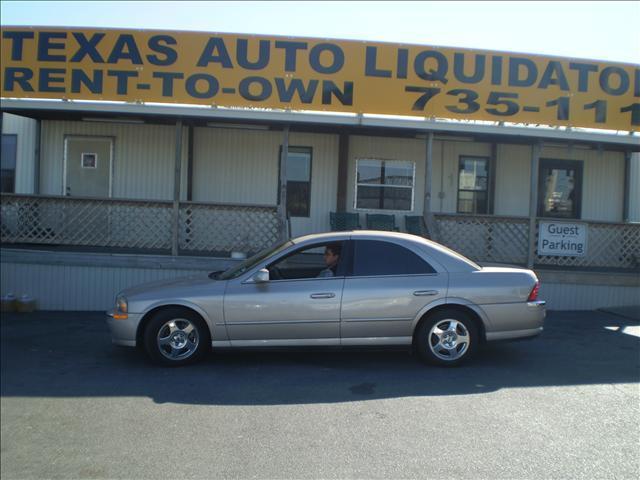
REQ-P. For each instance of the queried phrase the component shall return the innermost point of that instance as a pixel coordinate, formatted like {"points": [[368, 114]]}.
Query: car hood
{"points": [[183, 286]]}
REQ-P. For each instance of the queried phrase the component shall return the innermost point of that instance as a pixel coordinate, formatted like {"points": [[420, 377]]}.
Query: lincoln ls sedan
{"points": [[359, 288]]}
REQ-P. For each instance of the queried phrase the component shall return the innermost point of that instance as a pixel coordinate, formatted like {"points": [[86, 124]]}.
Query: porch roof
{"points": [[316, 121]]}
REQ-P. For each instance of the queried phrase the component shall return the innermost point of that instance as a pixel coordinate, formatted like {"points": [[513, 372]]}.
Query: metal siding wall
{"points": [[236, 166], [513, 174], [634, 190], [565, 296], [386, 148], [60, 287], [25, 129], [144, 157], [602, 181]]}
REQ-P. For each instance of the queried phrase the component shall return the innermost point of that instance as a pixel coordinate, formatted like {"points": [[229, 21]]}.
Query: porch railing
{"points": [[492, 239], [136, 224]]}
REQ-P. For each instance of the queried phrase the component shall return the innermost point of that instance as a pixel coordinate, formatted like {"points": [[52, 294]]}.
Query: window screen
{"points": [[373, 257], [8, 160]]}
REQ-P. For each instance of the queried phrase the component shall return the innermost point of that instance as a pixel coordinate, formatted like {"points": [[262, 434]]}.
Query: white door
{"points": [[88, 164]]}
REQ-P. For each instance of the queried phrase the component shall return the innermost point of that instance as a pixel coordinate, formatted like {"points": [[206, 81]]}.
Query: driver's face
{"points": [[330, 258]]}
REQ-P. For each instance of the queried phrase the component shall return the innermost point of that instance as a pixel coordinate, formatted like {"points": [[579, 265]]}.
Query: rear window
{"points": [[374, 257]]}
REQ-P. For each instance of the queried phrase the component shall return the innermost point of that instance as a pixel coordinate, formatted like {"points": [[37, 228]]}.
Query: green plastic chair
{"points": [[341, 221], [414, 224], [378, 221]]}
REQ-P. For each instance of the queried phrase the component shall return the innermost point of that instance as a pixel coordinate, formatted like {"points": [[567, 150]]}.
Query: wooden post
{"points": [[343, 172], [533, 201], [427, 214], [176, 190], [282, 208]]}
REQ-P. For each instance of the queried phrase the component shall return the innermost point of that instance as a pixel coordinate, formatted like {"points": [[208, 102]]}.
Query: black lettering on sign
{"points": [[17, 43], [554, 75], [167, 81], [403, 63], [622, 80], [437, 74], [262, 84], [290, 53], [516, 65], [87, 46], [478, 70], [335, 53], [344, 96], [46, 44], [370, 68], [125, 49], [215, 51], [242, 55], [210, 83], [46, 79], [496, 71], [159, 44], [80, 78], [20, 76], [123, 77], [584, 69], [296, 86]]}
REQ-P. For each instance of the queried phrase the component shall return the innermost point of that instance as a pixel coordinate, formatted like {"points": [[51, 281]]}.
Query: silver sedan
{"points": [[360, 288]]}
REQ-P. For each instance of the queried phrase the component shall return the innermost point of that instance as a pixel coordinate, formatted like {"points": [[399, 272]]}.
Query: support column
{"points": [[427, 214], [176, 189], [343, 172], [533, 201], [285, 229]]}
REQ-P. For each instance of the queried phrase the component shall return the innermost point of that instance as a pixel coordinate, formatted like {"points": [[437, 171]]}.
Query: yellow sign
{"points": [[313, 74]]}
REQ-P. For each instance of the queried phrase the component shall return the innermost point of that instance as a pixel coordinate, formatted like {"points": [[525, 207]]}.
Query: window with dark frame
{"points": [[560, 188], [384, 184], [298, 181], [8, 163], [473, 185]]}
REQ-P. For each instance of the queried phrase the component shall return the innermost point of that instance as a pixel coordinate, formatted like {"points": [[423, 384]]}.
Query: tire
{"points": [[176, 337], [448, 338]]}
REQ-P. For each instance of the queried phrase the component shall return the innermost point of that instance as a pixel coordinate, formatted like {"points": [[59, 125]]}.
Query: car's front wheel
{"points": [[176, 337], [447, 337]]}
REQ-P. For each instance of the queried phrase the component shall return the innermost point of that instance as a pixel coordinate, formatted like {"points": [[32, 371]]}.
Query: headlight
{"points": [[122, 308]]}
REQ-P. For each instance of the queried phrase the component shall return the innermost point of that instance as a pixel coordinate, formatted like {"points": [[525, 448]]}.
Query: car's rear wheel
{"points": [[176, 337], [447, 337]]}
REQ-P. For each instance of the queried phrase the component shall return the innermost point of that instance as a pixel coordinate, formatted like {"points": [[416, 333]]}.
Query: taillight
{"points": [[533, 296]]}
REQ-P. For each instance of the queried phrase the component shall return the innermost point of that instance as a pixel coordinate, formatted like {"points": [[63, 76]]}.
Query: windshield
{"points": [[249, 263]]}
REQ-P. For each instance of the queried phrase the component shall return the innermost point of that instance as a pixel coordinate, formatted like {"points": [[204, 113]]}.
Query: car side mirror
{"points": [[261, 276]]}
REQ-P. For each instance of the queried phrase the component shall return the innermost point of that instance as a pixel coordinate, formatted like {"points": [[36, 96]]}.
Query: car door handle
{"points": [[425, 293], [323, 295]]}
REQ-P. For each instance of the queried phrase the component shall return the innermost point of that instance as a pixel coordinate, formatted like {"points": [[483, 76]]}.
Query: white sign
{"points": [[562, 239]]}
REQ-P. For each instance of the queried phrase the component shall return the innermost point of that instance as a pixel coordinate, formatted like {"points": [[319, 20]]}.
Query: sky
{"points": [[588, 30]]}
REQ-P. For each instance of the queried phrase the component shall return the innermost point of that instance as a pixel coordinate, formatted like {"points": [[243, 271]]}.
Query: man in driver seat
{"points": [[331, 259]]}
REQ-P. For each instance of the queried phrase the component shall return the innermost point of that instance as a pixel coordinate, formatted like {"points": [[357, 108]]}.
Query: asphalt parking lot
{"points": [[565, 405]]}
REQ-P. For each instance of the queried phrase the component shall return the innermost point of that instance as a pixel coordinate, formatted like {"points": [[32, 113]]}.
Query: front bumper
{"points": [[123, 332]]}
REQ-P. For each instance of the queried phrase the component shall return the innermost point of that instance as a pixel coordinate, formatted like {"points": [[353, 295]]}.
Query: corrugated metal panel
{"points": [[62, 287], [565, 296], [144, 157], [513, 180], [25, 129], [634, 190], [236, 166], [602, 181]]}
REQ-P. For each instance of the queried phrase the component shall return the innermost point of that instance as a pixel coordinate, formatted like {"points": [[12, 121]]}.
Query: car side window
{"points": [[374, 257], [318, 261]]}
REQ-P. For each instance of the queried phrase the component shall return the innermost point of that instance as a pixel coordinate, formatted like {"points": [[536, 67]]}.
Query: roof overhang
{"points": [[164, 113]]}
